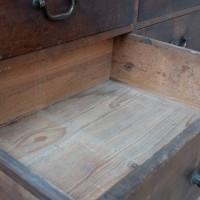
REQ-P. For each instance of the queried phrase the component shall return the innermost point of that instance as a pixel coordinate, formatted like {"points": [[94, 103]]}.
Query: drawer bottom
{"points": [[87, 143]]}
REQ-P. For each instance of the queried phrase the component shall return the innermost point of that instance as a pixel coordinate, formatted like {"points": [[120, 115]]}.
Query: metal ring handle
{"points": [[62, 16]]}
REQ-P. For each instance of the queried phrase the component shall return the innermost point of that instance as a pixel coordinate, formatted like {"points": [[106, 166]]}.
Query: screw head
{"points": [[38, 3]]}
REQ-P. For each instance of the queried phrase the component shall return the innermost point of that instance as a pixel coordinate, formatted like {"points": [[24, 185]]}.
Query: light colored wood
{"points": [[158, 67], [87, 143], [9, 190], [167, 174], [33, 81], [173, 15], [171, 181], [24, 177]]}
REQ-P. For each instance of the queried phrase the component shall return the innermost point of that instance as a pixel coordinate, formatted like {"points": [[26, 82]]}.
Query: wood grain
{"points": [[158, 67], [33, 81], [10, 190], [172, 180], [28, 180], [87, 143], [31, 30], [167, 174]]}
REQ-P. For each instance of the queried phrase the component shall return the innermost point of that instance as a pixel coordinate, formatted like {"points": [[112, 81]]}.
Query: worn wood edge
{"points": [[28, 180], [157, 43], [156, 20], [89, 40], [131, 183], [136, 13]]}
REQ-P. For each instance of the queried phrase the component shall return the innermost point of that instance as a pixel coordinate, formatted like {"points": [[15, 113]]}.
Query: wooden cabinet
{"points": [[25, 29], [136, 138], [109, 119], [169, 21]]}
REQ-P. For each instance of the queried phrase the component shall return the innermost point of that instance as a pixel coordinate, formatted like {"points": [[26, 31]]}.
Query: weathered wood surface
{"points": [[10, 190], [167, 174], [173, 30], [172, 180], [87, 143], [28, 180], [153, 8], [158, 67], [33, 81], [31, 30]]}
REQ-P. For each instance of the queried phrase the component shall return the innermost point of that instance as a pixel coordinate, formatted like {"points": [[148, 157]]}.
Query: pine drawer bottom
{"points": [[87, 143]]}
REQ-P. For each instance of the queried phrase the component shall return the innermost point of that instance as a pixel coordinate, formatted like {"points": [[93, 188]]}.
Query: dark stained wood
{"points": [[28, 180], [10, 190], [136, 5], [175, 29], [154, 8], [167, 174], [24, 29], [169, 16]]}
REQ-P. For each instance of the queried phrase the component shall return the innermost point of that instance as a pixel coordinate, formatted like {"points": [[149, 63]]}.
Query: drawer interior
{"points": [[88, 142]]}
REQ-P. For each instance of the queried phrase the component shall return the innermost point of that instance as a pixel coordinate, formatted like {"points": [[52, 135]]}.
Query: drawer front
{"points": [[174, 31], [172, 181], [10, 190], [25, 29], [153, 8]]}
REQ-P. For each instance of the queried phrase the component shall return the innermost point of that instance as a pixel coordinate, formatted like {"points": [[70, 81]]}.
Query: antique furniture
{"points": [[89, 112], [175, 22]]}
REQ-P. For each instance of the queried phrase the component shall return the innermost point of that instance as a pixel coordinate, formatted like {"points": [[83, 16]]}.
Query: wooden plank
{"points": [[29, 181], [135, 20], [87, 143], [10, 190], [156, 20], [153, 8], [158, 67], [167, 174], [89, 18], [33, 81], [172, 180]]}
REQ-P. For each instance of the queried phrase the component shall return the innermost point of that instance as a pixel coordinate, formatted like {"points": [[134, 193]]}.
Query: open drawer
{"points": [[117, 140]]}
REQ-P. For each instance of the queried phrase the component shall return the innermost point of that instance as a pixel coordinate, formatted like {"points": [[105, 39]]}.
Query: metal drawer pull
{"points": [[195, 179], [184, 41], [43, 4]]}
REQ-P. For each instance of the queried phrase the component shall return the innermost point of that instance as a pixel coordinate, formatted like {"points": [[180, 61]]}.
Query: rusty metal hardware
{"points": [[184, 40], [195, 179], [62, 16]]}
